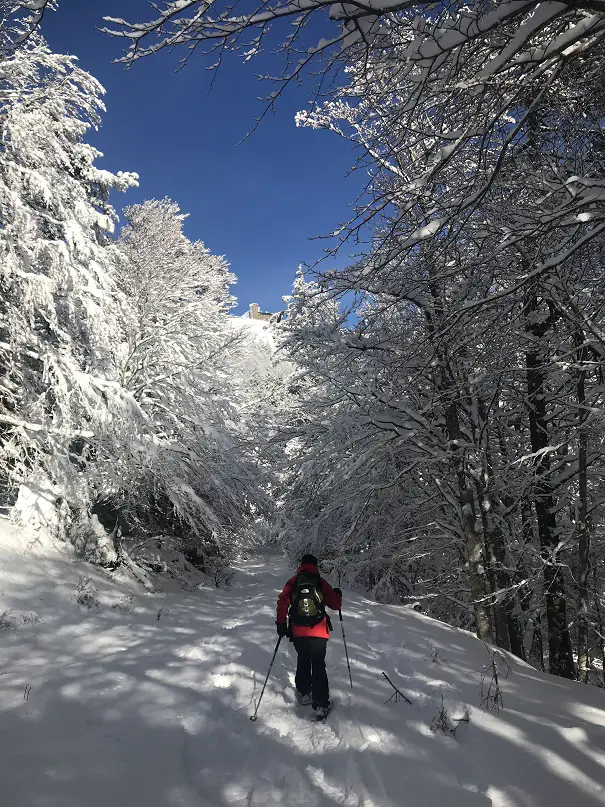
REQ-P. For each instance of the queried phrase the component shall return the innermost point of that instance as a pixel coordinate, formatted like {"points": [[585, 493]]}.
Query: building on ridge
{"points": [[266, 316]]}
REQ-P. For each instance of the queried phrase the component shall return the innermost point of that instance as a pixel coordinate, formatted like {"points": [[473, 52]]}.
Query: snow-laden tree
{"points": [[120, 396], [61, 309], [19, 22], [198, 477], [434, 32], [491, 300], [369, 485], [180, 295], [375, 479], [304, 401]]}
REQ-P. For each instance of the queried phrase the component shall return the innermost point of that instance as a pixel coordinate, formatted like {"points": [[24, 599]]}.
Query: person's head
{"points": [[309, 559]]}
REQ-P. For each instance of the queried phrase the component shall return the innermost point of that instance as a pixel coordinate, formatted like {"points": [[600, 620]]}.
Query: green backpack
{"points": [[306, 607]]}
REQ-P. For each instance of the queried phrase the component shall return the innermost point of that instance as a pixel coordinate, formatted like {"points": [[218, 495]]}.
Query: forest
{"points": [[429, 419]]}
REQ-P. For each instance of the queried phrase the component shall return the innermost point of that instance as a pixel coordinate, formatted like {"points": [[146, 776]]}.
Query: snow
{"points": [[130, 698], [258, 329], [258, 358]]}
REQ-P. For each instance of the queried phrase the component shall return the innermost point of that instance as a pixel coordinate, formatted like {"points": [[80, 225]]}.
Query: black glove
{"points": [[338, 591], [282, 629]]}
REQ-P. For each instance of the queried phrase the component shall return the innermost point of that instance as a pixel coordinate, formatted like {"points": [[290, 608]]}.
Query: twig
{"points": [[398, 694], [442, 721], [492, 698]]}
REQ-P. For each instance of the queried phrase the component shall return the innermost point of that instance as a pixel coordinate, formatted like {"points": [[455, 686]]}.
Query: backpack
{"points": [[306, 607]]}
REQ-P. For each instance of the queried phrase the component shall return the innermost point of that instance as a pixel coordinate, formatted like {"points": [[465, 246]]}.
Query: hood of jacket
{"points": [[310, 568]]}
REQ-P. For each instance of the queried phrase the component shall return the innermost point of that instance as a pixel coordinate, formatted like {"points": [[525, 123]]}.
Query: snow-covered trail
{"points": [[144, 702]]}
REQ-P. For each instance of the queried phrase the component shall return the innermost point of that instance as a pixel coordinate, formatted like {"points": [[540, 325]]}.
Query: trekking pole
{"points": [[253, 717], [344, 639]]}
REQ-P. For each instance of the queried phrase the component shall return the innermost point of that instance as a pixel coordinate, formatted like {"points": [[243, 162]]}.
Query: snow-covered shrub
{"points": [[491, 680], [86, 593], [14, 619], [92, 541], [442, 721]]}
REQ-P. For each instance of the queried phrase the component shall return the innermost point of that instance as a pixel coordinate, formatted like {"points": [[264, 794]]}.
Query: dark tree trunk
{"points": [[495, 553], [509, 634], [534, 650], [600, 624], [559, 644], [473, 547], [473, 539], [582, 513]]}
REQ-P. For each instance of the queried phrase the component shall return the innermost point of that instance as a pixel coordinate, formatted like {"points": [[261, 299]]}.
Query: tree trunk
{"points": [[509, 634], [559, 644], [512, 606], [495, 553], [600, 624], [473, 538], [582, 513], [473, 548]]}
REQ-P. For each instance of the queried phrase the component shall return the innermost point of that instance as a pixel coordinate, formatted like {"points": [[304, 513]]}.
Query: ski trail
{"points": [[351, 759], [283, 758], [291, 760], [150, 705]]}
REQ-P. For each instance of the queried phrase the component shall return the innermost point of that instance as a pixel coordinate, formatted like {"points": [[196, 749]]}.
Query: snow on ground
{"points": [[131, 699]]}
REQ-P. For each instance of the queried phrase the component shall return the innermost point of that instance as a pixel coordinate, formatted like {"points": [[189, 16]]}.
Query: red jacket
{"points": [[331, 599]]}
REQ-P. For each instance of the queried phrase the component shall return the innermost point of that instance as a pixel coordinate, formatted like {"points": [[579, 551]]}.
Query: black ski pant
{"points": [[311, 675]]}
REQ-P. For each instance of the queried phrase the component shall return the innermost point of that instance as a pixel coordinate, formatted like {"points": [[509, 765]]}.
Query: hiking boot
{"points": [[303, 700], [321, 712]]}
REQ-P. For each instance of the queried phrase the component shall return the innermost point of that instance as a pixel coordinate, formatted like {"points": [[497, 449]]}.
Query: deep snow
{"points": [[142, 700]]}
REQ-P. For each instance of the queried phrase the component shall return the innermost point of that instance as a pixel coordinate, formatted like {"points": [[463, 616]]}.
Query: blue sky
{"points": [[258, 203]]}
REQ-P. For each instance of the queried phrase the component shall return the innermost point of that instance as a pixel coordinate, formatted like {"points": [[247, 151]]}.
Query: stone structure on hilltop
{"points": [[256, 313], [265, 316]]}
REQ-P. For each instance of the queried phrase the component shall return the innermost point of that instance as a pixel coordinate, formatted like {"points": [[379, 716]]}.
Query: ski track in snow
{"points": [[144, 702]]}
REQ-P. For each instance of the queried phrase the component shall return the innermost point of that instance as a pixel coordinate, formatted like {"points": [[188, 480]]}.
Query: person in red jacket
{"points": [[303, 600]]}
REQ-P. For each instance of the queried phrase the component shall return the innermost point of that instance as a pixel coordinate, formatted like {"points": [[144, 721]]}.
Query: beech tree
{"points": [[19, 21], [60, 305], [470, 278], [199, 478], [180, 293], [450, 60]]}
